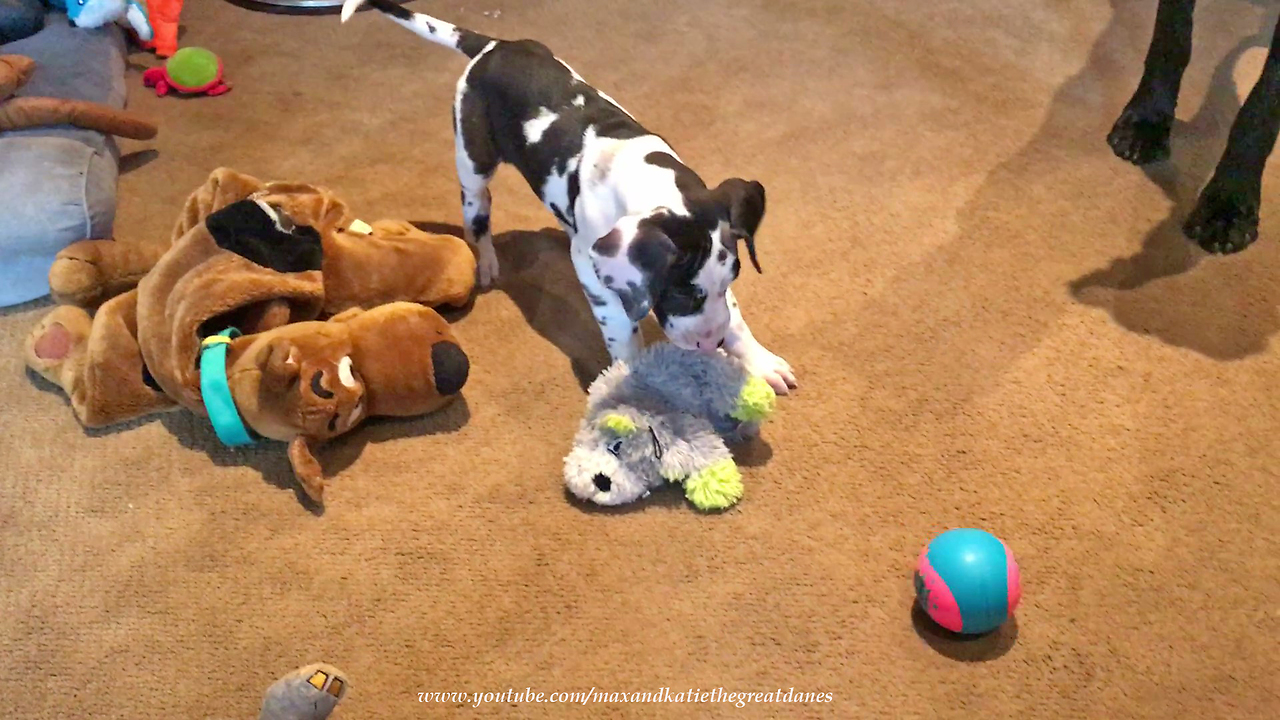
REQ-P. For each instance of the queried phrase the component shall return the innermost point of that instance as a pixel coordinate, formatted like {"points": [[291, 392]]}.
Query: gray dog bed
{"points": [[58, 184]]}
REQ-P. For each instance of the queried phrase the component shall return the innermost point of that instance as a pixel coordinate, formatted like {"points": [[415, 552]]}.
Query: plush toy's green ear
{"points": [[619, 425]]}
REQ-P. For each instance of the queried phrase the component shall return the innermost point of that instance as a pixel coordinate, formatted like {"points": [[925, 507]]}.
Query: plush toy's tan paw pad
{"points": [[57, 337], [308, 693], [54, 344]]}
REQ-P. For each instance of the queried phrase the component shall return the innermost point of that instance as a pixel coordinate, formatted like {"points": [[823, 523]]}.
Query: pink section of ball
{"points": [[1015, 579], [941, 605]]}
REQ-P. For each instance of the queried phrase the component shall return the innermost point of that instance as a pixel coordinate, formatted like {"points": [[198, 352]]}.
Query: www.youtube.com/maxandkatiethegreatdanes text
{"points": [[595, 695]]}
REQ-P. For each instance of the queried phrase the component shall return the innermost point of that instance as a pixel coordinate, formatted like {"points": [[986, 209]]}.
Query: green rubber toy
{"points": [[191, 71]]}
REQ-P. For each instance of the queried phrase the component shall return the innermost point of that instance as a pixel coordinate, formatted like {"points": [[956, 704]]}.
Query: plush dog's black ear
{"points": [[264, 235], [743, 201]]}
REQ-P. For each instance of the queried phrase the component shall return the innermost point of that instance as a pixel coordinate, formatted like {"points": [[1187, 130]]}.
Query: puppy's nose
{"points": [[602, 482], [451, 367]]}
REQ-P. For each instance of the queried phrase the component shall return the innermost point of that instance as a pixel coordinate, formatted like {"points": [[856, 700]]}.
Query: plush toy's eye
{"points": [[319, 389], [615, 447]]}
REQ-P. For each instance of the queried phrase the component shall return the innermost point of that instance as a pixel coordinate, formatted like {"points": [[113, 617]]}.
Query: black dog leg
{"points": [[1225, 220], [1141, 134]]}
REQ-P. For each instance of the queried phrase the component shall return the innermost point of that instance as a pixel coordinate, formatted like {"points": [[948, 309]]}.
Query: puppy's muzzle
{"points": [[450, 366]]}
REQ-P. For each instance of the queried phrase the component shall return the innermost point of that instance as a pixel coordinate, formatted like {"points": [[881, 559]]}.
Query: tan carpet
{"points": [[996, 323]]}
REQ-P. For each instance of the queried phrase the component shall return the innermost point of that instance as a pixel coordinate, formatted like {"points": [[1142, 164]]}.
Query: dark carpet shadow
{"points": [[755, 452], [52, 389], [137, 159], [342, 452], [270, 458], [39, 303], [1225, 309], [282, 10], [666, 498], [965, 648], [538, 276], [945, 328], [669, 497], [439, 228]]}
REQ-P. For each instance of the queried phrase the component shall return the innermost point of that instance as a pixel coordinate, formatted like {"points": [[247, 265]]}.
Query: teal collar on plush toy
{"points": [[215, 390]]}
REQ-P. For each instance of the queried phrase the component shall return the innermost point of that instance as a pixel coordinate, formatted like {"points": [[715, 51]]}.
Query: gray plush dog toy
{"points": [[665, 417]]}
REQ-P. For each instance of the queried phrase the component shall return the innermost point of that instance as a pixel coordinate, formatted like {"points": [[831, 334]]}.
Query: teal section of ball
{"points": [[974, 566]]}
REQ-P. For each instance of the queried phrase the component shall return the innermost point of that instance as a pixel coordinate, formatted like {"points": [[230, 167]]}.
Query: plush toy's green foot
{"points": [[756, 402], [716, 487], [308, 693]]}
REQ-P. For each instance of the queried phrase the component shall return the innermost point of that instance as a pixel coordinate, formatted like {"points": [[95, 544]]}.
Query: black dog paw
{"points": [[1141, 137], [1225, 220]]}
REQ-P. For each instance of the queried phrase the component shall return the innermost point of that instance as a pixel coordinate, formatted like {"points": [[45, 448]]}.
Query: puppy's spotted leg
{"points": [[759, 361], [621, 335], [477, 159]]}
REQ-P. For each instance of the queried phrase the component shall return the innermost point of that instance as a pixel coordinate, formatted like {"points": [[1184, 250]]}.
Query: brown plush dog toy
{"points": [[254, 318], [26, 112]]}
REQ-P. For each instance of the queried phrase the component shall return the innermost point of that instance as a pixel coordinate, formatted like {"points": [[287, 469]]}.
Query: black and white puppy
{"points": [[1225, 219], [646, 233]]}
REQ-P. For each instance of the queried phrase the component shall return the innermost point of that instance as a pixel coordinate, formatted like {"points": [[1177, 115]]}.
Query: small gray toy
{"points": [[665, 417], [308, 693]]}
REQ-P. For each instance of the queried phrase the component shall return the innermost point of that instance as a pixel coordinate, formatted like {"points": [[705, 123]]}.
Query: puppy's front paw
{"points": [[773, 369], [1141, 137], [1225, 220], [486, 266]]}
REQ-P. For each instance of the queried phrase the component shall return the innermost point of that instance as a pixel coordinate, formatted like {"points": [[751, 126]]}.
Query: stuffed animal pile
{"points": [[665, 418], [272, 311]]}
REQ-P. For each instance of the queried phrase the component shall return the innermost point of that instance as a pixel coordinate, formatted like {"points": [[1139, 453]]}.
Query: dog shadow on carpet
{"points": [[1221, 307], [965, 648], [271, 458], [538, 276]]}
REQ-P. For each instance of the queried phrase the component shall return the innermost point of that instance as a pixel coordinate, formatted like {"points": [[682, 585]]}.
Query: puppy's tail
{"points": [[440, 32]]}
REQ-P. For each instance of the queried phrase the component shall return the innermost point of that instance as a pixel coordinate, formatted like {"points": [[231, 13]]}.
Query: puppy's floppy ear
{"points": [[633, 263], [265, 235], [743, 201]]}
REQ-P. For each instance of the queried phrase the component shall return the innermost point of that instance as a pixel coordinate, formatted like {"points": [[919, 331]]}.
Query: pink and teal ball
{"points": [[968, 581]]}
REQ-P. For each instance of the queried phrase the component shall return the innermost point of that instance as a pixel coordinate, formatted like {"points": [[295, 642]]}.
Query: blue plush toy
{"points": [[96, 13]]}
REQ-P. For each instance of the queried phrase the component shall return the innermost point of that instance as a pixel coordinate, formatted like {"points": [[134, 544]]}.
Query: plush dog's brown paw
{"points": [[76, 281], [90, 272], [59, 336]]}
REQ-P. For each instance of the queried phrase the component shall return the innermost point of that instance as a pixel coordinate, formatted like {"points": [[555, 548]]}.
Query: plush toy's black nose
{"points": [[602, 482], [451, 367]]}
